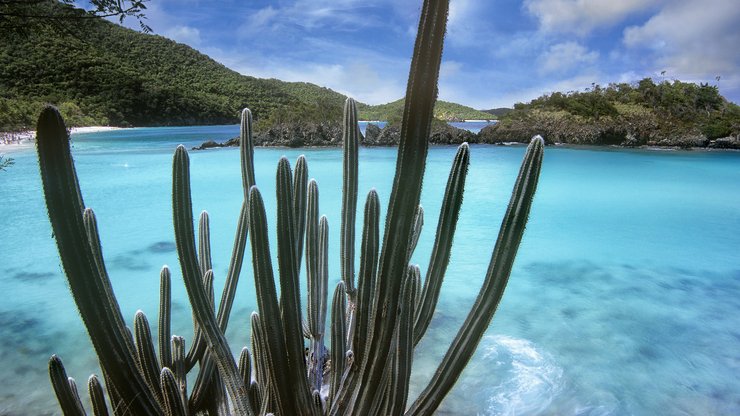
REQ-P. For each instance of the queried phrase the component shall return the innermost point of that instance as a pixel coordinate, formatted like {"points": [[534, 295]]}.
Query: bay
{"points": [[624, 299]]}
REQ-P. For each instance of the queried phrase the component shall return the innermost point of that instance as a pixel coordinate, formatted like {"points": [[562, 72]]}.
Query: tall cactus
{"points": [[375, 323]]}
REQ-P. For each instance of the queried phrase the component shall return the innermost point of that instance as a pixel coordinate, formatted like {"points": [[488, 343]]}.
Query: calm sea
{"points": [[624, 299]]}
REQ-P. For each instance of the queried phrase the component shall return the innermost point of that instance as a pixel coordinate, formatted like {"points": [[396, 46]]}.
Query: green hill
{"points": [[99, 73], [499, 112], [443, 110], [644, 113], [102, 73]]}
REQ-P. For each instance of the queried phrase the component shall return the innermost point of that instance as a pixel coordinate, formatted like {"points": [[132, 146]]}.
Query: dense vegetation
{"points": [[498, 112], [669, 112], [672, 105], [443, 110], [105, 74], [99, 73]]}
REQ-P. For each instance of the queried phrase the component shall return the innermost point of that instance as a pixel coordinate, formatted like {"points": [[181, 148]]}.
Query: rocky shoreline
{"points": [[554, 130]]}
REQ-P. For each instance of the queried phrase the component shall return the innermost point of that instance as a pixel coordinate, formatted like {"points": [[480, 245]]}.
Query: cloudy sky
{"points": [[497, 52]]}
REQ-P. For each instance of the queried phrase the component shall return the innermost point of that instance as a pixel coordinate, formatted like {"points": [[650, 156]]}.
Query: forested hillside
{"points": [[443, 110], [101, 73]]}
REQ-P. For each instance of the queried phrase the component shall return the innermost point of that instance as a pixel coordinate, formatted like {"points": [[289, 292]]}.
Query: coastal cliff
{"points": [[329, 134], [555, 130]]}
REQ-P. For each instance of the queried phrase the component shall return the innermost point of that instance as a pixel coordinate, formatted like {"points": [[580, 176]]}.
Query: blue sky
{"points": [[497, 52]]}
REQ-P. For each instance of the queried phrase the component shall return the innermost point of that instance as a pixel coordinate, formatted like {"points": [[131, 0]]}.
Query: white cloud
{"points": [[262, 18], [524, 95], [583, 16], [468, 22], [364, 75], [691, 38], [450, 68], [565, 56], [311, 15], [184, 34]]}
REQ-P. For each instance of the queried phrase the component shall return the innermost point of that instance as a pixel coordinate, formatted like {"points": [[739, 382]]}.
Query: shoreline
{"points": [[25, 138]]}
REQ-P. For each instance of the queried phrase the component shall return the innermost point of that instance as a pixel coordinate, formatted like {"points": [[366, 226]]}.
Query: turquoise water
{"points": [[624, 299]]}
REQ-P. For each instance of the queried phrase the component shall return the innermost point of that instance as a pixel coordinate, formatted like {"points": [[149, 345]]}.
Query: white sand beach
{"points": [[92, 129], [23, 139]]}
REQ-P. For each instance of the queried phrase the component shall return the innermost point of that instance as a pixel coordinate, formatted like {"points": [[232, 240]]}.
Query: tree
{"points": [[19, 17]]}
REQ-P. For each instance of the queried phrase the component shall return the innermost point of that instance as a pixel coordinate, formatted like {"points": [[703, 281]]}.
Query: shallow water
{"points": [[624, 298]]}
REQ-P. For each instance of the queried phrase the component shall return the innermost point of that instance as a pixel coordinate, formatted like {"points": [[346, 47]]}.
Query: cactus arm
{"points": [[90, 288], [198, 348], [351, 143], [204, 243], [202, 307], [246, 151], [323, 254], [148, 365], [399, 388], [440, 258], [235, 267], [412, 151], [270, 317], [263, 376], [365, 295], [367, 274], [171, 393], [90, 223], [415, 231], [245, 369], [207, 375], [76, 394], [178, 367], [97, 397], [290, 300], [165, 317], [316, 289], [245, 366], [65, 395], [338, 338], [502, 260], [313, 279], [300, 188], [255, 397]]}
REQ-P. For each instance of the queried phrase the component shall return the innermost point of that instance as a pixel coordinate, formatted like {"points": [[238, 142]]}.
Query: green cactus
{"points": [[375, 324]]}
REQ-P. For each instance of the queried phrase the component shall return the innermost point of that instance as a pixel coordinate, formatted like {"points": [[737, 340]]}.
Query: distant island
{"points": [[669, 113], [443, 110], [106, 75]]}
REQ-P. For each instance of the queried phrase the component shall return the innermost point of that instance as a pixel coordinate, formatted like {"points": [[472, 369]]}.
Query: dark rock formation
{"points": [[289, 135], [442, 133], [725, 143], [446, 134], [388, 136], [209, 144], [301, 134], [555, 127], [631, 130], [372, 131]]}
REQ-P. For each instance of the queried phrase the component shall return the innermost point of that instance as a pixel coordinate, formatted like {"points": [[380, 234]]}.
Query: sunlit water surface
{"points": [[624, 299]]}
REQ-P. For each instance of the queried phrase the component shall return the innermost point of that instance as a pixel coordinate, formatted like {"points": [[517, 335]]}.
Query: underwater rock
{"points": [[33, 276], [162, 247]]}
